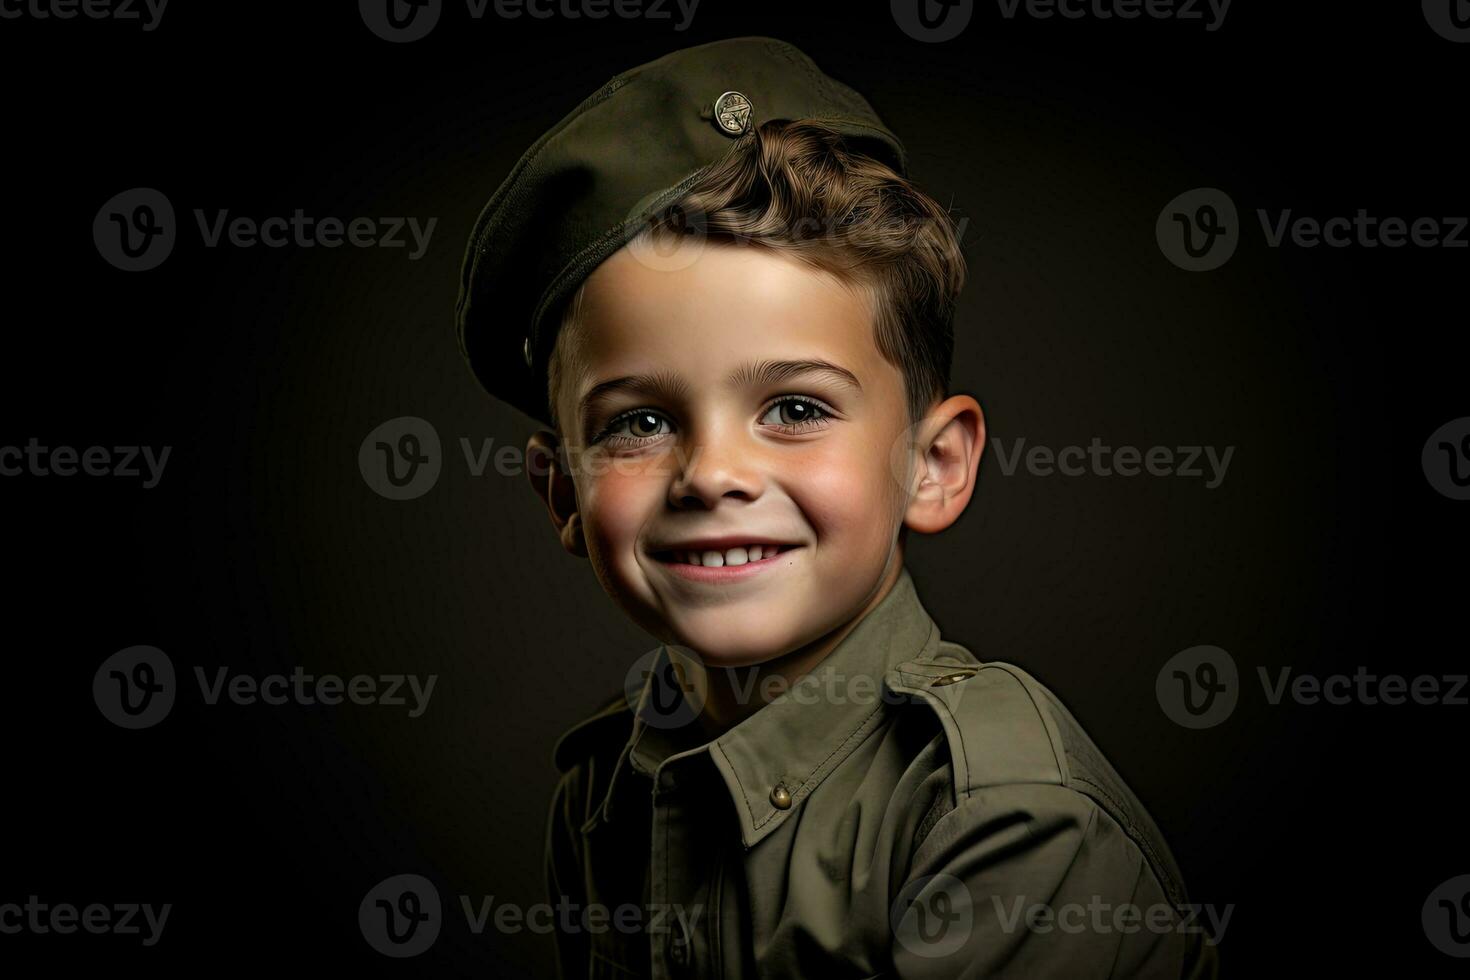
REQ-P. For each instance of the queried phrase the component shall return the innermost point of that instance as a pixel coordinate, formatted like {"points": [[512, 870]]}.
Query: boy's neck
{"points": [[732, 694]]}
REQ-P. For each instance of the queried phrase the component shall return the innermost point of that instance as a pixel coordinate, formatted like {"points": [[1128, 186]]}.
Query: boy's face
{"points": [[725, 430]]}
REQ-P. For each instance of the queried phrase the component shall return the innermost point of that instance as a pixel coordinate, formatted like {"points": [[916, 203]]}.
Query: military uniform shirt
{"points": [[903, 812]]}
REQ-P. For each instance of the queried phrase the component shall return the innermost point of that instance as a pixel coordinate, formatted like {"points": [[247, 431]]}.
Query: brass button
{"points": [[780, 797], [957, 676]]}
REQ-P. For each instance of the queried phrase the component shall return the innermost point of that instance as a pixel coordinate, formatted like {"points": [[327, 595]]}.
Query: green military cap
{"points": [[595, 178]]}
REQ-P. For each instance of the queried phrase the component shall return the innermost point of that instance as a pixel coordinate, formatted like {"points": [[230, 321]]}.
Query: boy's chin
{"points": [[720, 643]]}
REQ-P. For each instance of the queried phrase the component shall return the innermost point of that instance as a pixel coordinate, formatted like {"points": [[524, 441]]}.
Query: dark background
{"points": [[1325, 548]]}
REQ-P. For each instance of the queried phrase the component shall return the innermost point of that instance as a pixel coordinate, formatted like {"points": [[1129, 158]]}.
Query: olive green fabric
{"points": [[933, 801], [594, 179]]}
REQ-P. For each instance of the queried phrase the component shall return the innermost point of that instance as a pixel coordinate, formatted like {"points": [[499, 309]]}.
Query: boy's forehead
{"points": [[727, 303]]}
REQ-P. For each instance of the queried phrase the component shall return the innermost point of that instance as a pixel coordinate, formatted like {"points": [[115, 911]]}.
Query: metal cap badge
{"points": [[732, 113]]}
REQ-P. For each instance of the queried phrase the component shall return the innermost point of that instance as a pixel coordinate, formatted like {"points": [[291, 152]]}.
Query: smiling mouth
{"points": [[723, 557]]}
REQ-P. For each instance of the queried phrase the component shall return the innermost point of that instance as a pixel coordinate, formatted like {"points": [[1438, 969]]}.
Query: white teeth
{"points": [[730, 556]]}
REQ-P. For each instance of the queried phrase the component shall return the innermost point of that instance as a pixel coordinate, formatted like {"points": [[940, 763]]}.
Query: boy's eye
{"points": [[640, 424], [792, 413], [795, 413]]}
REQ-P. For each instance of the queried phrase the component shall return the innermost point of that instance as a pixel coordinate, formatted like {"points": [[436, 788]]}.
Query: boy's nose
{"points": [[712, 469]]}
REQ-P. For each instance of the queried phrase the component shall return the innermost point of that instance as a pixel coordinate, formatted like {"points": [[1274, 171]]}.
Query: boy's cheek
{"points": [[842, 485], [616, 504]]}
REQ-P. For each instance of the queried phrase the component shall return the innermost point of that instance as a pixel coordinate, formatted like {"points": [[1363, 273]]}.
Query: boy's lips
{"points": [[675, 557]]}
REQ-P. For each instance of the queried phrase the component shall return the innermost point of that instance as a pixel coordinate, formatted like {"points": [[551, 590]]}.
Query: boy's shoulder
{"points": [[1004, 727]]}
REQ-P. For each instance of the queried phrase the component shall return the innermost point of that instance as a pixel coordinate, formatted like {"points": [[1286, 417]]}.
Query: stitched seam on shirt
{"points": [[716, 747], [1062, 768], [818, 768], [1143, 845], [1156, 864]]}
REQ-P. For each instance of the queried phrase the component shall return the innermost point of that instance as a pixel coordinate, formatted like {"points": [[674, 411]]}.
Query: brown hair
{"points": [[799, 188]]}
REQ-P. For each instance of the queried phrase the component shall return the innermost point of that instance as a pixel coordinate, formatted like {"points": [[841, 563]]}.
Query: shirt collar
{"points": [[796, 740]]}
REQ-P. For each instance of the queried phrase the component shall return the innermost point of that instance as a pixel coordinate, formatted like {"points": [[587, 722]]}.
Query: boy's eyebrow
{"points": [[669, 385], [664, 384], [774, 372]]}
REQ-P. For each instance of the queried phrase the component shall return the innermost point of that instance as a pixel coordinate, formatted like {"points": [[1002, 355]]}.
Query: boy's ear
{"points": [[947, 446], [547, 471]]}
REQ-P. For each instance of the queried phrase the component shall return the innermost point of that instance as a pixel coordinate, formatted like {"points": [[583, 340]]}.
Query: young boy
{"points": [[715, 283]]}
